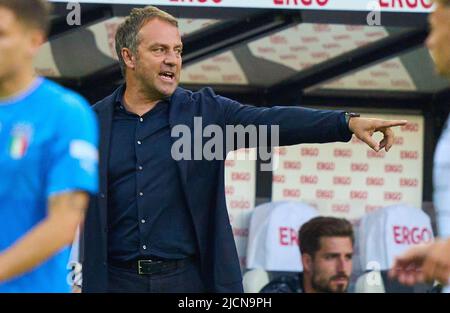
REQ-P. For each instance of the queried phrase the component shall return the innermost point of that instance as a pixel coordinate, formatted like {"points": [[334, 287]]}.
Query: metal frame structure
{"points": [[243, 26]]}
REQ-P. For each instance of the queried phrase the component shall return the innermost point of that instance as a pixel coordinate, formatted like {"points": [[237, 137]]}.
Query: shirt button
{"points": [[141, 193], [139, 142], [144, 247], [141, 119], [143, 221], [140, 168]]}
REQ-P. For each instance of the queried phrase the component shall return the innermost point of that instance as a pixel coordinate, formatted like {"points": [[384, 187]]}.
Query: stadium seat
{"points": [[254, 280], [384, 234], [273, 244]]}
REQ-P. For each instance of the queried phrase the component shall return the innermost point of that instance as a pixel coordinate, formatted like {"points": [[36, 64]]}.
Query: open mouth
{"points": [[167, 76]]}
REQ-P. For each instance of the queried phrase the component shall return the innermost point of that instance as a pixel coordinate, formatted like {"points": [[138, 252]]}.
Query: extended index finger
{"points": [[393, 123]]}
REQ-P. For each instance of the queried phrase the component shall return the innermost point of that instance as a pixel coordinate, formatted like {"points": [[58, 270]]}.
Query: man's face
{"points": [[16, 44], [158, 62], [331, 266], [438, 41]]}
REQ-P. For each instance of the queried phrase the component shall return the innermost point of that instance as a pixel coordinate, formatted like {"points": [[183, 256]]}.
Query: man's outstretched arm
{"points": [[57, 230], [304, 125], [424, 263]]}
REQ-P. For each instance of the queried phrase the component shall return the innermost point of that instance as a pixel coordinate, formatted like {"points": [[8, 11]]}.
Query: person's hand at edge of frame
{"points": [[424, 263]]}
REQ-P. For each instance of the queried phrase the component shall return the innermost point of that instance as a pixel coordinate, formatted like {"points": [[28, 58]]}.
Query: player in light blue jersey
{"points": [[48, 158], [432, 262]]}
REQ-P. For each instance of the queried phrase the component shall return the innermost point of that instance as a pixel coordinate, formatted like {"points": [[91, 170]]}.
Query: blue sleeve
{"points": [[73, 154], [296, 124]]}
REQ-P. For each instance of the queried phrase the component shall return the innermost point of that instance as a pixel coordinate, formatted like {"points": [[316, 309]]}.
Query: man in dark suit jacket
{"points": [[160, 223]]}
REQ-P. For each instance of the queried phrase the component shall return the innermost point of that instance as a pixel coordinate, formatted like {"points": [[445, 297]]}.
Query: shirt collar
{"points": [[23, 94], [119, 102]]}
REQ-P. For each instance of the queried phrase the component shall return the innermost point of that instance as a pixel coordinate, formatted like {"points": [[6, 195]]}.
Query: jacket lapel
{"points": [[181, 113], [105, 110]]}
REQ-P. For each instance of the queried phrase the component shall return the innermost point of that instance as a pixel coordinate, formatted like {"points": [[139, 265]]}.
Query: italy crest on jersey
{"points": [[20, 140]]}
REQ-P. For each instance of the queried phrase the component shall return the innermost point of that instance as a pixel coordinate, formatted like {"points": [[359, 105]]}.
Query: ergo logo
{"points": [[414, 235]]}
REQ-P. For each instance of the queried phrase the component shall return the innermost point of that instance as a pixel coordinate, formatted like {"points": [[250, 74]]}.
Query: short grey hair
{"points": [[127, 33]]}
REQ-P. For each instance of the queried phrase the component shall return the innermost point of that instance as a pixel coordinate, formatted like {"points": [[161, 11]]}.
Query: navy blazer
{"points": [[202, 180]]}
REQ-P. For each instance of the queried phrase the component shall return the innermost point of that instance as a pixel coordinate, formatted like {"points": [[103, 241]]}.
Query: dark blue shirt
{"points": [[147, 214]]}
